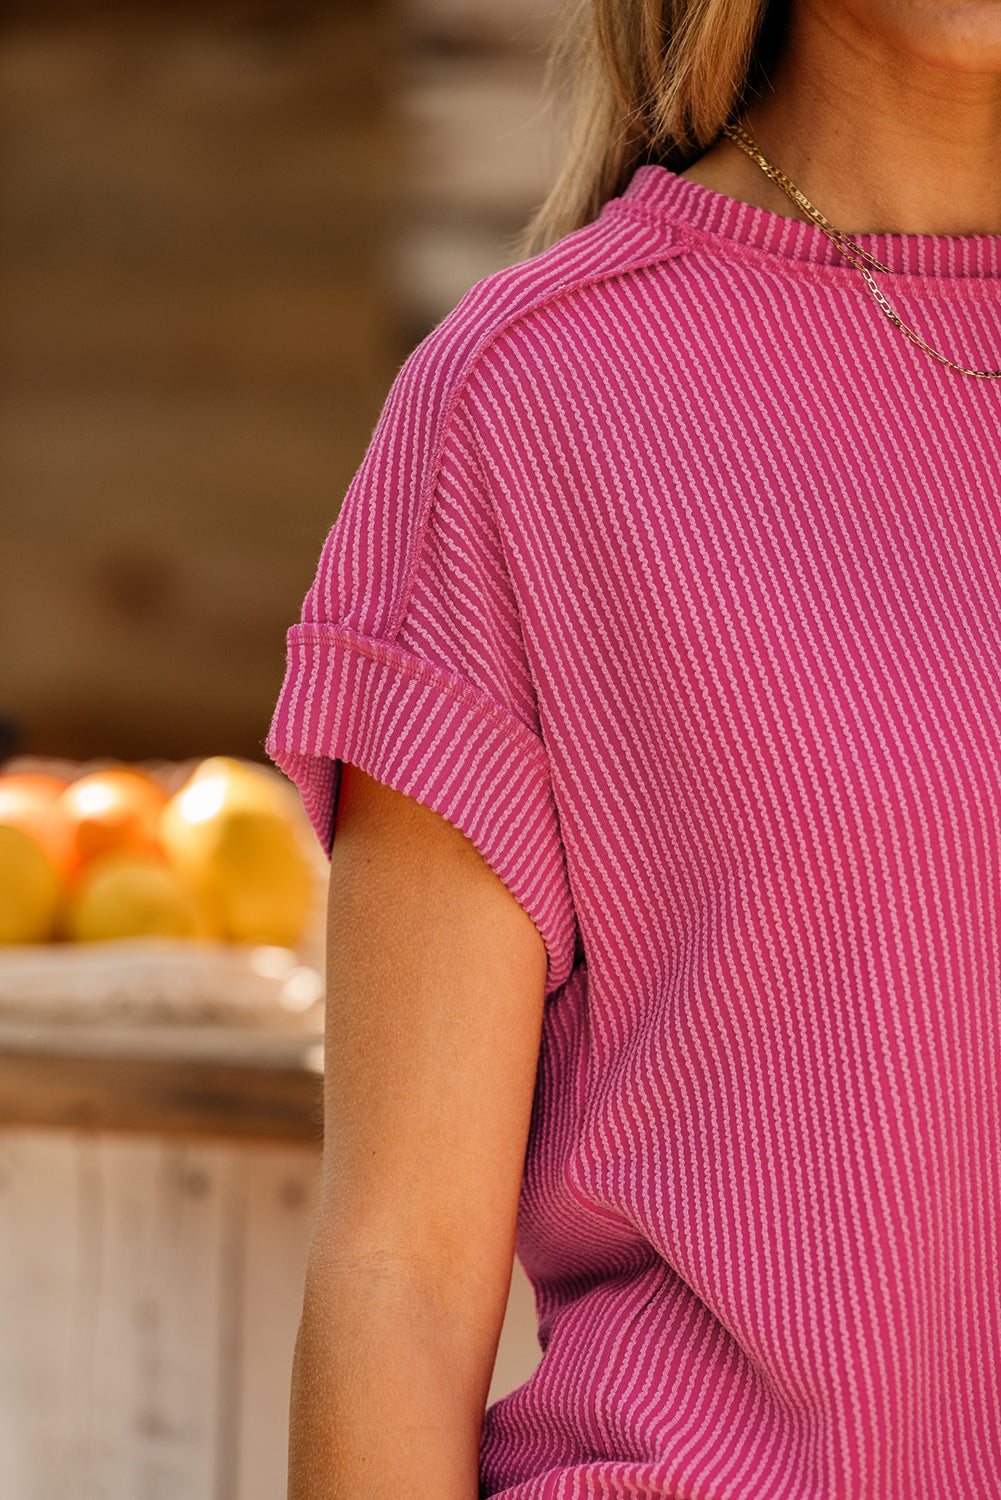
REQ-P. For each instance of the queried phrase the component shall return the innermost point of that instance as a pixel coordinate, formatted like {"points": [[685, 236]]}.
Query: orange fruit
{"points": [[28, 802], [114, 810]]}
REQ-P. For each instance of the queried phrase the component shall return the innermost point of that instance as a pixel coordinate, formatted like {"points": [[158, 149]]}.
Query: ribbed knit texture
{"points": [[673, 577]]}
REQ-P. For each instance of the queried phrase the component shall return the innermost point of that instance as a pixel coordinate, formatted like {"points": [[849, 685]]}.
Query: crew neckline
{"points": [[969, 263]]}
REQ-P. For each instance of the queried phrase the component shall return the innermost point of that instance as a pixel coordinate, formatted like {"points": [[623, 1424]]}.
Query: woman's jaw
{"points": [[886, 113]]}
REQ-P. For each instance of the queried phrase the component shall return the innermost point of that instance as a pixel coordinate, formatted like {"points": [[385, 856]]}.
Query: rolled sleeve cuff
{"points": [[417, 728]]}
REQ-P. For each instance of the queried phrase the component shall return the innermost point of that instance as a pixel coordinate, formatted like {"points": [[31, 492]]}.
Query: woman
{"points": [[655, 660]]}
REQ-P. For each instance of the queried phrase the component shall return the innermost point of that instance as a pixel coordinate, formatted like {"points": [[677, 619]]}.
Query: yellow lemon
{"points": [[29, 889], [260, 878], [232, 831], [222, 783], [132, 895]]}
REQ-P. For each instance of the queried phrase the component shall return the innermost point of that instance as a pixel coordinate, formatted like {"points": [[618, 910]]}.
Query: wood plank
{"points": [[481, 142], [153, 1383], [39, 1289], [438, 261], [482, 23], [113, 1283], [163, 626], [235, 1085], [282, 1184], [224, 1045], [318, 327]]}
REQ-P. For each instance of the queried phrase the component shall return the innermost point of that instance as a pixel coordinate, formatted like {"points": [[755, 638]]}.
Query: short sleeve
{"points": [[409, 660]]}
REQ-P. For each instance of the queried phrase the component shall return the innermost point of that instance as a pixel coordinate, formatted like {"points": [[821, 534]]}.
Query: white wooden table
{"points": [[157, 1187]]}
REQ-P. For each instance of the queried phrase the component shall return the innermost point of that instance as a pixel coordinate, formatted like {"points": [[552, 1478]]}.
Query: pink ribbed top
{"points": [[672, 576]]}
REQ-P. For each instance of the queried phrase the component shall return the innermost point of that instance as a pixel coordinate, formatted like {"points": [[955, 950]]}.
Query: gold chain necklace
{"points": [[855, 253]]}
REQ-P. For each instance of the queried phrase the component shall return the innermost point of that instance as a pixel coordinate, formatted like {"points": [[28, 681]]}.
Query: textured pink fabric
{"points": [[673, 577]]}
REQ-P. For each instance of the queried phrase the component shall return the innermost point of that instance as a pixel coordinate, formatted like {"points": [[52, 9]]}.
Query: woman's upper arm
{"points": [[435, 986]]}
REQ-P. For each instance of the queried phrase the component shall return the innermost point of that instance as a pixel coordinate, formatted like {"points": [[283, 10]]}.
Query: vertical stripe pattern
{"points": [[672, 576]]}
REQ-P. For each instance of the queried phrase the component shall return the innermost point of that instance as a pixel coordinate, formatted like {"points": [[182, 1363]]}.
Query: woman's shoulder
{"points": [[580, 265], [428, 412]]}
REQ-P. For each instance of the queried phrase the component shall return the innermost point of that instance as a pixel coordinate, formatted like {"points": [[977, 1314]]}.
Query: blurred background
{"points": [[223, 226]]}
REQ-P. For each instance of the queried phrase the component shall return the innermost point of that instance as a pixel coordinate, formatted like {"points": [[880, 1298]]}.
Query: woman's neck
{"points": [[883, 133]]}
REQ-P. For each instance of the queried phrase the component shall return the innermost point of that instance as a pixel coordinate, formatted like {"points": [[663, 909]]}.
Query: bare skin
{"points": [[435, 979], [885, 113]]}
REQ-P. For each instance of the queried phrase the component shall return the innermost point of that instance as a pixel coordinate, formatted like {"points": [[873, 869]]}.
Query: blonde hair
{"points": [[647, 79]]}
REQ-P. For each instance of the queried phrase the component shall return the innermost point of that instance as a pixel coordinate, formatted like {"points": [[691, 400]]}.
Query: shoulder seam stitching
{"points": [[669, 251]]}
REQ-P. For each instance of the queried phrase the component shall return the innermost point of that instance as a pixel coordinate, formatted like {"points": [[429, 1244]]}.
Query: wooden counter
{"points": [[150, 1277], [193, 1080], [157, 1191]]}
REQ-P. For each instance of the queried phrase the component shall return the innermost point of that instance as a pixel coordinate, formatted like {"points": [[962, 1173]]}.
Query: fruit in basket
{"points": [[123, 894], [28, 801], [29, 888], [110, 855], [114, 809], [231, 831]]}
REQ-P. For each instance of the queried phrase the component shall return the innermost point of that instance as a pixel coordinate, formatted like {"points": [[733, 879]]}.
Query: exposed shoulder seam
{"points": [[653, 214], [668, 247]]}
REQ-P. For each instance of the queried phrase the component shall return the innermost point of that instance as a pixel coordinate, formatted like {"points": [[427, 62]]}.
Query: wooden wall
{"points": [[223, 224], [194, 347], [483, 146]]}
